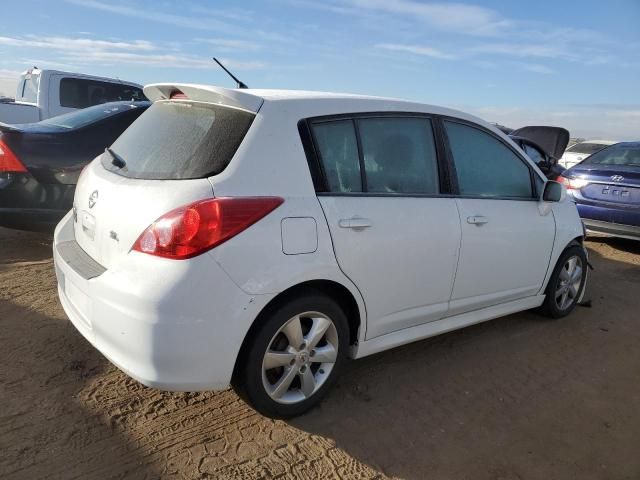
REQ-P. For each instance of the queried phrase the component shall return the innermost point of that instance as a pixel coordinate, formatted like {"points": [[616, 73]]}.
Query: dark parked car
{"points": [[40, 162], [606, 189]]}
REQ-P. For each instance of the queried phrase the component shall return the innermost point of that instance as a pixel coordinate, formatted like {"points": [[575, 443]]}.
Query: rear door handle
{"points": [[477, 220], [356, 223]]}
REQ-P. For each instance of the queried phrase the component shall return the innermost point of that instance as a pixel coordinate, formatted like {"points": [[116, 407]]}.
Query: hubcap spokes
{"points": [[569, 283], [300, 357]]}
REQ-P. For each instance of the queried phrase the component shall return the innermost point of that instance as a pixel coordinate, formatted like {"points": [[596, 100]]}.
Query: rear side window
{"points": [[485, 166], [28, 88], [339, 155], [82, 93], [397, 155], [179, 140]]}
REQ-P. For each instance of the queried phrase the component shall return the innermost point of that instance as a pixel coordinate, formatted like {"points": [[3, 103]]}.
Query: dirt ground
{"points": [[517, 398]]}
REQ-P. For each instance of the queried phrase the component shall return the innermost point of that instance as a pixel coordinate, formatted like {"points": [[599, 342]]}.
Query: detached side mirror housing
{"points": [[553, 192]]}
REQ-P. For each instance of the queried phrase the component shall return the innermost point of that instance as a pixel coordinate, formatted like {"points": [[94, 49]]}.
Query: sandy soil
{"points": [[516, 398]]}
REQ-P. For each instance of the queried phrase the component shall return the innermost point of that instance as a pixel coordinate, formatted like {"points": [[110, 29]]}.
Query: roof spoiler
{"points": [[553, 140], [203, 93]]}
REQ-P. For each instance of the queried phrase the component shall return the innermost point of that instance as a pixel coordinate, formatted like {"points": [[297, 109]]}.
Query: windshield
{"points": [[587, 148], [619, 154], [28, 88], [89, 115], [179, 140]]}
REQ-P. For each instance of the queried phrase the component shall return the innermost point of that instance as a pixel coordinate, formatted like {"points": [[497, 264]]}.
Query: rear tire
{"points": [[294, 357], [566, 283]]}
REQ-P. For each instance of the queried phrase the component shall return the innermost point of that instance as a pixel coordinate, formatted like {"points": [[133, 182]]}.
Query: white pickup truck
{"points": [[43, 94]]}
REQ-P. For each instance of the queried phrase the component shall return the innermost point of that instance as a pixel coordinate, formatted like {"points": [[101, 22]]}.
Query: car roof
{"points": [[312, 101]]}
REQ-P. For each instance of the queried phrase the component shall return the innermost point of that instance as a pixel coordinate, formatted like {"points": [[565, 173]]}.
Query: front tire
{"points": [[566, 283], [294, 356]]}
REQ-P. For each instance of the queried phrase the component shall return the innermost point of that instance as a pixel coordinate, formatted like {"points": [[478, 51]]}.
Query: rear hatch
{"points": [[161, 162]]}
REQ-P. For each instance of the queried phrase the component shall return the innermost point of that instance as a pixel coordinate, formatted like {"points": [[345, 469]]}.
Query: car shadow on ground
{"points": [[516, 397]]}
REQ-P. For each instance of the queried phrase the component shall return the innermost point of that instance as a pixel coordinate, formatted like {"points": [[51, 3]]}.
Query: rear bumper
{"points": [[172, 325], [621, 221], [27, 204], [33, 219], [615, 229]]}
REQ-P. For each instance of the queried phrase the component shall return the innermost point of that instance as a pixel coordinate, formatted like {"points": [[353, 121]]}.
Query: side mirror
{"points": [[552, 192]]}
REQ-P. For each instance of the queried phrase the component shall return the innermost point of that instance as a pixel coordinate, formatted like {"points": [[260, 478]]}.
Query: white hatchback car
{"points": [[580, 151], [259, 238]]}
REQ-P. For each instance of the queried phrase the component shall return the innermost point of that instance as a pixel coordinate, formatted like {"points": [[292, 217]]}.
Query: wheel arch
{"points": [[330, 288]]}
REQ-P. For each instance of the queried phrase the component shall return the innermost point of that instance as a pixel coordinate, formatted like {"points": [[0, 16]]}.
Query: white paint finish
{"points": [[175, 325], [179, 325], [568, 229], [420, 332], [299, 235], [503, 259], [404, 263]]}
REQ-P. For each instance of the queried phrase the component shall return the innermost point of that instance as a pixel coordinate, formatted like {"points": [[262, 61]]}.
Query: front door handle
{"points": [[356, 223], [477, 220]]}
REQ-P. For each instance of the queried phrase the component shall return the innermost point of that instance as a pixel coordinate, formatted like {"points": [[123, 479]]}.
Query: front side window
{"points": [[485, 166], [83, 93], [399, 155]]}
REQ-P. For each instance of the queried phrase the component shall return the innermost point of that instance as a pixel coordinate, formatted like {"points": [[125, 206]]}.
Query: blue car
{"points": [[606, 189]]}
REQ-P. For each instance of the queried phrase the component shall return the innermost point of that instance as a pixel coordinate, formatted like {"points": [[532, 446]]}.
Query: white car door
{"points": [[507, 238], [394, 235]]}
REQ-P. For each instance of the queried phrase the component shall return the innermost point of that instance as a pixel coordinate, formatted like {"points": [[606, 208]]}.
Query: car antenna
{"points": [[240, 84]]}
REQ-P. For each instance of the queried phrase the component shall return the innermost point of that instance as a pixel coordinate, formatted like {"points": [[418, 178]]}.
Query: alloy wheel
{"points": [[300, 357], [569, 281]]}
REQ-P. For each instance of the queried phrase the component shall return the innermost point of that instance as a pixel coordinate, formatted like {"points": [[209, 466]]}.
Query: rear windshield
{"points": [[586, 147], [28, 88], [83, 117], [619, 154], [176, 140]]}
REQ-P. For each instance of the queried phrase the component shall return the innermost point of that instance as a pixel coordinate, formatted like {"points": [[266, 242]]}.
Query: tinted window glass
{"points": [[399, 155], [485, 166], [179, 140], [586, 148], [619, 154], [89, 115], [81, 93], [338, 150]]}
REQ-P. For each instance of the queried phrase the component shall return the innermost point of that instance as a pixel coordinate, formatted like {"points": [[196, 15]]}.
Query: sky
{"points": [[569, 63]]}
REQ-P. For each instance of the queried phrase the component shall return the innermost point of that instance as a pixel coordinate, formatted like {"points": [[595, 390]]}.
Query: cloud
{"points": [[8, 82], [536, 68], [159, 60], [453, 17], [83, 51], [616, 122], [417, 50], [228, 45], [152, 14], [75, 44]]}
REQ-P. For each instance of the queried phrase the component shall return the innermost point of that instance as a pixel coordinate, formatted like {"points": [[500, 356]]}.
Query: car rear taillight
{"points": [[9, 163], [572, 183], [200, 226]]}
